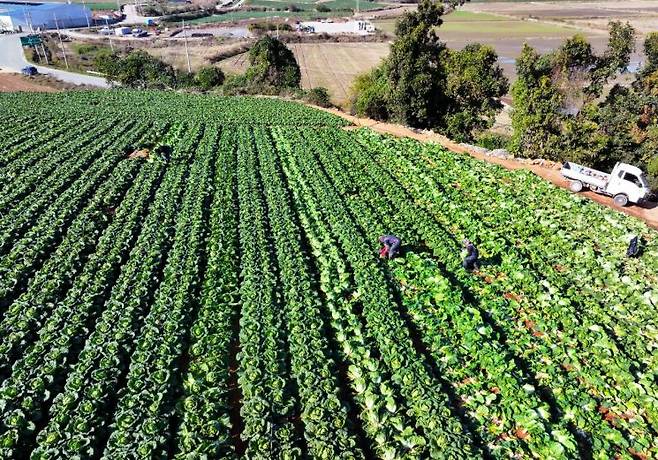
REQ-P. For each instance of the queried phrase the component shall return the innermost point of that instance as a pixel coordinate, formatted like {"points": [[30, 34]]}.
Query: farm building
{"points": [[26, 17], [342, 27]]}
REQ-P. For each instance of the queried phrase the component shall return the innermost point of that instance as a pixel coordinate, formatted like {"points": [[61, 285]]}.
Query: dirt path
{"points": [[649, 214]]}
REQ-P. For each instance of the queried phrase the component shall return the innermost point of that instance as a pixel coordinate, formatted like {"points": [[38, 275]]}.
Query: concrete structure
{"points": [[28, 17], [334, 28]]}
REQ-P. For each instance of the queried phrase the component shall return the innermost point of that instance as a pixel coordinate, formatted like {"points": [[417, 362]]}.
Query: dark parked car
{"points": [[29, 70]]}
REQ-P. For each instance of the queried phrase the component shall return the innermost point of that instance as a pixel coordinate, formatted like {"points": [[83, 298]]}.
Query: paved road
{"points": [[12, 59], [132, 16]]}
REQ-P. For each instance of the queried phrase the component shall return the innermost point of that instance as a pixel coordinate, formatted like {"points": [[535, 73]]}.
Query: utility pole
{"points": [[187, 51], [61, 43], [84, 5], [25, 16], [28, 21], [31, 24], [109, 36], [45, 55]]}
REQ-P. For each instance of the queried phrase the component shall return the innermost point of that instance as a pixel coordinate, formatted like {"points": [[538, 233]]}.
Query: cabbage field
{"points": [[222, 296]]}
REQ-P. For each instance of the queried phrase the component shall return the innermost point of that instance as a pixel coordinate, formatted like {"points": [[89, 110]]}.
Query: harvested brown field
{"points": [[332, 65], [201, 53]]}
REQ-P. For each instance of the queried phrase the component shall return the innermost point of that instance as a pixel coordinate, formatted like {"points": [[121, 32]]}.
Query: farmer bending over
{"points": [[472, 257], [391, 246]]}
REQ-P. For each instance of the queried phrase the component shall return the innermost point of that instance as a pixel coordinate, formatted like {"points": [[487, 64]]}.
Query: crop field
{"points": [[222, 296], [478, 26]]}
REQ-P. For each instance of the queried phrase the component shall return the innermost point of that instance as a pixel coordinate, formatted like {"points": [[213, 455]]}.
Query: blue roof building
{"points": [[28, 17]]}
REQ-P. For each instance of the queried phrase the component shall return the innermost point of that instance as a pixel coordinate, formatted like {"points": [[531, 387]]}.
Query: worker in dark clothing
{"points": [[633, 247], [391, 246], [472, 256]]}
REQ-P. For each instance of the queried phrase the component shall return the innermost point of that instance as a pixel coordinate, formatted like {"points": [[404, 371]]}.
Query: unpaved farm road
{"points": [[647, 214], [12, 59]]}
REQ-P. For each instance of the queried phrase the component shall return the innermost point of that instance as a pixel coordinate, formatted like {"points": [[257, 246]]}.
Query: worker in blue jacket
{"points": [[472, 259], [391, 246]]}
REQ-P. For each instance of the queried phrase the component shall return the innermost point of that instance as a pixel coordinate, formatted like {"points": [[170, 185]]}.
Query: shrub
{"points": [[493, 141], [209, 77], [318, 96], [322, 8], [137, 70], [370, 94], [85, 48]]}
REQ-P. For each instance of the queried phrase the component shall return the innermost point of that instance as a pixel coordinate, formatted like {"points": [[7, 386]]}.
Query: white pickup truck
{"points": [[625, 183]]}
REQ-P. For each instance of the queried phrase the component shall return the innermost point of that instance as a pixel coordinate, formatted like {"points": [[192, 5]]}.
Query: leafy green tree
{"points": [[474, 88], [652, 171], [425, 85], [137, 70], [615, 59], [537, 104], [272, 63], [209, 77], [647, 80], [416, 74], [557, 98], [619, 120]]}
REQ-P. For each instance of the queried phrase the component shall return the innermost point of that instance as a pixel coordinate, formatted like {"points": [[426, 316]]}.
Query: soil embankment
{"points": [[10, 82]]}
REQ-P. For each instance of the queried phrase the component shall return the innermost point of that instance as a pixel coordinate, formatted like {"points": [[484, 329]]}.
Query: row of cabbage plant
{"points": [[23, 214], [205, 427], [552, 365], [428, 403], [455, 352], [80, 415], [142, 421], [381, 409], [268, 405], [327, 430], [26, 392]]}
